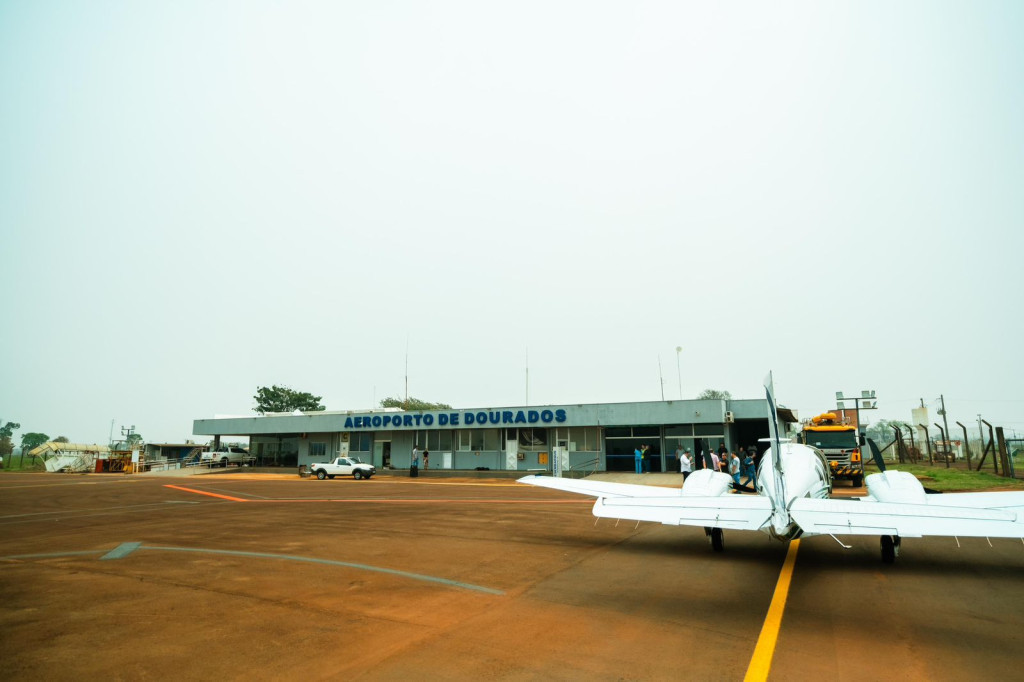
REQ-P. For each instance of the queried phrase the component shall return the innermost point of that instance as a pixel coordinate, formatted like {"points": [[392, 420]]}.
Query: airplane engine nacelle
{"points": [[896, 486], [706, 483]]}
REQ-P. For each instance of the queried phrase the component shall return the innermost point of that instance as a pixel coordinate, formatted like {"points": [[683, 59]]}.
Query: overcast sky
{"points": [[200, 198]]}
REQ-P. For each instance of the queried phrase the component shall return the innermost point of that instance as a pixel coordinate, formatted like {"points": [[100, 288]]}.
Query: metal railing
{"points": [[580, 470]]}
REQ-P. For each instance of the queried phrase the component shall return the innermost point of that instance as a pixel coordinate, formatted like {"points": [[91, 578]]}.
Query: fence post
{"points": [[967, 445], [928, 442], [1004, 456]]}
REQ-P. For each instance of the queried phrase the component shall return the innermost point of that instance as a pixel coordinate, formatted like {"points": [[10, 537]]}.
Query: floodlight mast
{"points": [[869, 404]]}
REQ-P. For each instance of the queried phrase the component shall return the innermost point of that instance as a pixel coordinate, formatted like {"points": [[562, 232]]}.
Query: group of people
{"points": [[641, 457], [416, 458], [726, 462]]}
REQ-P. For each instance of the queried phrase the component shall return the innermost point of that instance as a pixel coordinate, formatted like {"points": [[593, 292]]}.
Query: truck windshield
{"points": [[830, 440]]}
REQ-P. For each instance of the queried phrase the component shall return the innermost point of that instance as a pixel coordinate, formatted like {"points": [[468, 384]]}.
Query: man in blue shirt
{"points": [[749, 470]]}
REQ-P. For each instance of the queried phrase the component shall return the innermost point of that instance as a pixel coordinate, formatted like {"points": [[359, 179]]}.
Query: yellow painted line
{"points": [[761, 661]]}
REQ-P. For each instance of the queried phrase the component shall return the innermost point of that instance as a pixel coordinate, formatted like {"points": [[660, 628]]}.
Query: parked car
{"points": [[342, 466], [227, 455]]}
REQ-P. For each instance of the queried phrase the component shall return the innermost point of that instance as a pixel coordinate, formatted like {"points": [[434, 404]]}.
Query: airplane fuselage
{"points": [[802, 472]]}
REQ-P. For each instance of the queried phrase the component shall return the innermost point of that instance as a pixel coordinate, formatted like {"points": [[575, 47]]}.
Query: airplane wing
{"points": [[735, 512], [960, 514], [665, 505], [584, 486]]}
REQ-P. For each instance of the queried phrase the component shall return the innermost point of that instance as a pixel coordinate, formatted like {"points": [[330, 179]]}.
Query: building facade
{"points": [[600, 437]]}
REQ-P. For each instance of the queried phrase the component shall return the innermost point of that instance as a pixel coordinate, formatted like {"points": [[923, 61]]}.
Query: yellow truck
{"points": [[838, 439]]}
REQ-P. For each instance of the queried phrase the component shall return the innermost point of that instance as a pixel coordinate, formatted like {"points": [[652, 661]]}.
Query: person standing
{"points": [[706, 459], [684, 464], [734, 467], [416, 454], [716, 463], [679, 458], [638, 457], [749, 470], [426, 459], [414, 467], [645, 458]]}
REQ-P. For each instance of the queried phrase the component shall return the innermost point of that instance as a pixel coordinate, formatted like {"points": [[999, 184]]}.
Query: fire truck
{"points": [[838, 439]]}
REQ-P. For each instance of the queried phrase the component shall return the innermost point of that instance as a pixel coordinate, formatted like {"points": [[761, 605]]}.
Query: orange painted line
{"points": [[201, 492], [430, 501]]}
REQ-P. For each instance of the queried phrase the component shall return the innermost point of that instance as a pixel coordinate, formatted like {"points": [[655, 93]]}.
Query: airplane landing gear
{"points": [[890, 548], [717, 539]]}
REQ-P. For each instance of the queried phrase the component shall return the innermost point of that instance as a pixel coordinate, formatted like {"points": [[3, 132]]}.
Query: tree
{"points": [[881, 431], [32, 440], [6, 431], [60, 439], [712, 394], [134, 438], [413, 404], [283, 399]]}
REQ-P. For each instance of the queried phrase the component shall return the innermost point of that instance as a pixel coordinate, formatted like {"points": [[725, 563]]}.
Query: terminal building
{"points": [[590, 437]]}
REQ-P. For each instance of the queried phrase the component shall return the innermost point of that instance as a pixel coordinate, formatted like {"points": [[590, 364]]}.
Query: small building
{"points": [[173, 452], [599, 436]]}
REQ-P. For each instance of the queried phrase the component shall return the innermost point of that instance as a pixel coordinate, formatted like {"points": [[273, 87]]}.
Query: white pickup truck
{"points": [[227, 455], [342, 466]]}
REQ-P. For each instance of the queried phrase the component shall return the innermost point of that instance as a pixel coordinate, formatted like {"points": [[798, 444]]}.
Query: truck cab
{"points": [[840, 443]]}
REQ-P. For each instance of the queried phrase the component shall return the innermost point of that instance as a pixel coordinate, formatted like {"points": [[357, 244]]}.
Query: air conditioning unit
{"points": [[730, 418]]}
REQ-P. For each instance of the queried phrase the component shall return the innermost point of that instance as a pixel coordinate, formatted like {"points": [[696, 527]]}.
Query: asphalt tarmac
{"points": [[275, 577]]}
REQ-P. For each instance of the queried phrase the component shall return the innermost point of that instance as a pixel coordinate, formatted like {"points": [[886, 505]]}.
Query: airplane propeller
{"points": [[876, 454]]}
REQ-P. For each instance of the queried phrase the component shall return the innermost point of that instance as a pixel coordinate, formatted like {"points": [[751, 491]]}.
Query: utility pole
{"points": [[945, 423]]}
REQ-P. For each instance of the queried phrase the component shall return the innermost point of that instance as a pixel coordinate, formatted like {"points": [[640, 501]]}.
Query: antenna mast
{"points": [[527, 376], [661, 378]]}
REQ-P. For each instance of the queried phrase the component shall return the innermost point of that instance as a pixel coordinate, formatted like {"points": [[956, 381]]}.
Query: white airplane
{"points": [[793, 488]]}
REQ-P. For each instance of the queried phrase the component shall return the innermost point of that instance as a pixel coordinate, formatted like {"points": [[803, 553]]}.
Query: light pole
{"points": [[868, 397], [679, 374]]}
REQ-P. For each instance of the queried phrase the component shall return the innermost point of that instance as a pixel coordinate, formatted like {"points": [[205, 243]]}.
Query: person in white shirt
{"points": [[684, 463]]}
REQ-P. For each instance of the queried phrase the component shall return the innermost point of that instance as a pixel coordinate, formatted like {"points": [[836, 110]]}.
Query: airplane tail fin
{"points": [[776, 443], [773, 423]]}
